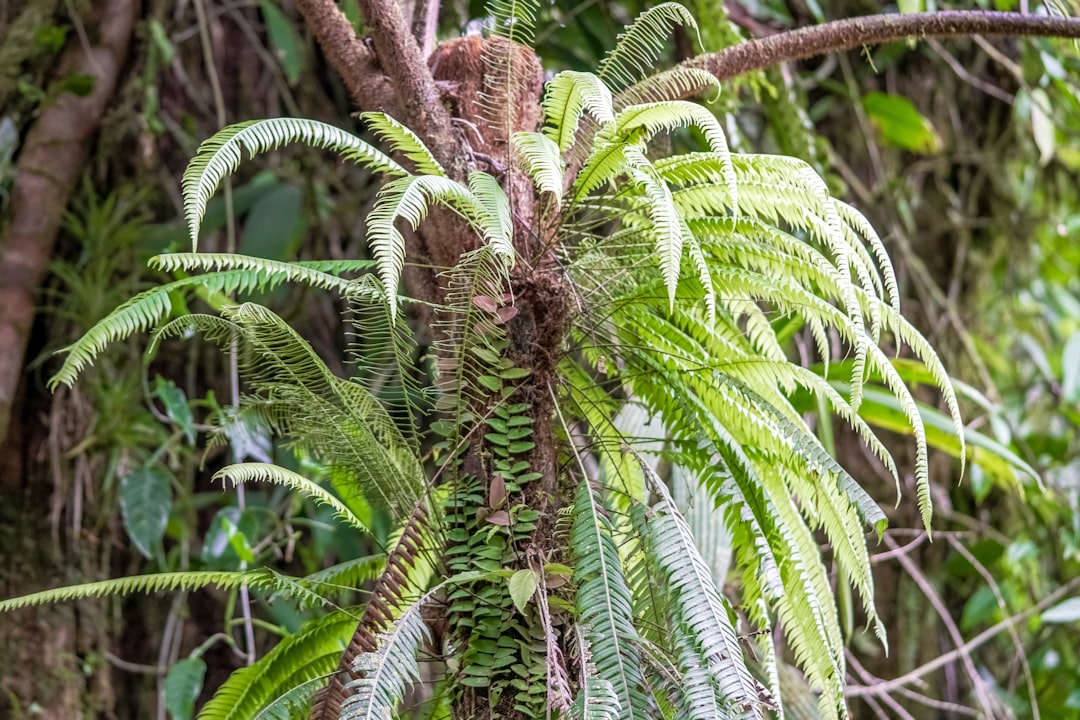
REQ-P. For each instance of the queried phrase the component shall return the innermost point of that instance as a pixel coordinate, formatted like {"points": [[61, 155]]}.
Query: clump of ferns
{"points": [[687, 271]]}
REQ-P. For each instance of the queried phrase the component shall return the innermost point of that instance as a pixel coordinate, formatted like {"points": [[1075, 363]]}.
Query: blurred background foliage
{"points": [[964, 155]]}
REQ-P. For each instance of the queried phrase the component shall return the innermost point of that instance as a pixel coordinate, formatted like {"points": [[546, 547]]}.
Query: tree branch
{"points": [[830, 37], [400, 56], [368, 85], [50, 162]]}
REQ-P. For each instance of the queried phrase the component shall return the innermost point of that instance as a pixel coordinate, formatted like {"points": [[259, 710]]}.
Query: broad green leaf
{"points": [[1070, 369], [274, 224], [284, 41], [1042, 125], [901, 125], [1066, 611], [176, 406], [522, 587], [145, 501], [182, 687]]}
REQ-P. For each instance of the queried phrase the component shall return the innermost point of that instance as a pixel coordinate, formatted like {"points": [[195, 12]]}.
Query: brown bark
{"points": [[814, 40], [51, 161]]}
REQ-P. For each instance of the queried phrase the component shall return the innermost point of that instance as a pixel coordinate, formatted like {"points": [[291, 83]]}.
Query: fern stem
{"points": [[830, 37]]}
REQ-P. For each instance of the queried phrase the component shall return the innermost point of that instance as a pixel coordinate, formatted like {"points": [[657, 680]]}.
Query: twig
{"points": [[1021, 654], [912, 569], [965, 649]]}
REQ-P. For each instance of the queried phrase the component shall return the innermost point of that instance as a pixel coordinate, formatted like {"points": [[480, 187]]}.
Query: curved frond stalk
{"points": [[220, 155], [390, 670], [193, 580], [703, 612], [265, 472], [604, 606], [403, 140], [304, 658], [539, 156], [637, 48], [322, 275], [567, 97]]}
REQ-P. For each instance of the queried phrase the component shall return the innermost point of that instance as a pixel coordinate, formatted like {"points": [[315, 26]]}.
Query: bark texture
{"points": [[50, 162]]}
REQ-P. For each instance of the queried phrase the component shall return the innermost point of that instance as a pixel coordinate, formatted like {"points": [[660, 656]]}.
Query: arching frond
{"points": [[494, 214], [220, 155], [363, 448], [568, 96], [679, 82], [409, 198], [637, 48], [403, 140], [265, 472], [304, 658], [390, 670], [604, 608], [539, 156], [192, 580]]}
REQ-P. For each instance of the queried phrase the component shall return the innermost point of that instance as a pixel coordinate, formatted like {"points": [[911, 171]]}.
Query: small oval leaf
{"points": [[522, 587]]}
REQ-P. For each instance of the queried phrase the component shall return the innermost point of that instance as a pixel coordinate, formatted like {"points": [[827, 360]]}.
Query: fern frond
{"points": [[494, 215], [567, 97], [264, 273], [387, 672], [226, 580], [403, 140], [638, 47], [220, 155], [678, 82], [539, 156], [603, 603], [702, 612], [265, 472], [363, 448], [667, 227], [409, 198], [304, 657]]}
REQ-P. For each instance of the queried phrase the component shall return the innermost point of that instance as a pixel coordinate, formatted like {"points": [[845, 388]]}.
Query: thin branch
{"points": [[400, 57], [368, 85], [830, 37], [966, 649]]}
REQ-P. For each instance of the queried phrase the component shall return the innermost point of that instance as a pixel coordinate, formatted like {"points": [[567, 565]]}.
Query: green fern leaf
{"points": [[539, 156], [637, 48], [255, 472], [309, 654], [567, 97], [141, 584], [403, 140], [220, 155], [387, 672], [603, 603]]}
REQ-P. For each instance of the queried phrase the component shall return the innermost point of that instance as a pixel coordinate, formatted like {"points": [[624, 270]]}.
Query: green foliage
{"points": [[686, 272]]}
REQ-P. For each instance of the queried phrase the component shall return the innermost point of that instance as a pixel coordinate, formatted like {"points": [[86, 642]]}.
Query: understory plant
{"points": [[605, 326]]}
